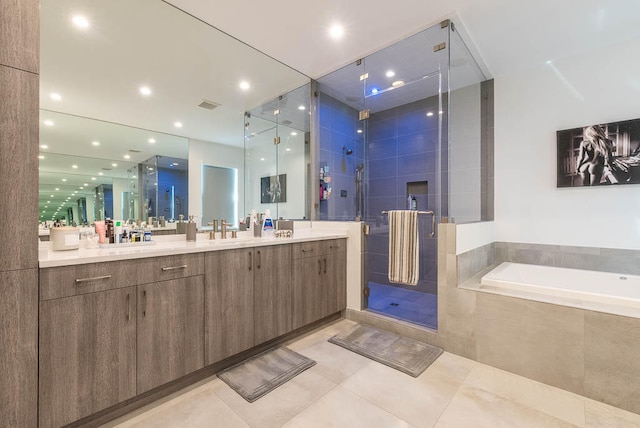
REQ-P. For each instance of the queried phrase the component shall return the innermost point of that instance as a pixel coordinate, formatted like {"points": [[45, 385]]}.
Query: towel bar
{"points": [[433, 221]]}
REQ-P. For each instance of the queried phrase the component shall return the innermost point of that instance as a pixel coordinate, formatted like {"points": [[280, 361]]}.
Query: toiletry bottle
{"points": [[267, 224]]}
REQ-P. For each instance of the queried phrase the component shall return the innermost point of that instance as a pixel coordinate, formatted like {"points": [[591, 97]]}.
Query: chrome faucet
{"points": [[223, 229]]}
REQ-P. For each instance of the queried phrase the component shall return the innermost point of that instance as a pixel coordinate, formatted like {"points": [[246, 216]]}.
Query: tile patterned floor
{"points": [[407, 305], [347, 390]]}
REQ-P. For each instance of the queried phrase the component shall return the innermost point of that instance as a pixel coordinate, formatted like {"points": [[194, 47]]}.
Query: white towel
{"points": [[404, 247]]}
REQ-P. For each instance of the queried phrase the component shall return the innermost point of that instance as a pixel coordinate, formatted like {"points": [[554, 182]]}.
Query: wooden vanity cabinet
{"points": [[87, 354], [318, 280]]}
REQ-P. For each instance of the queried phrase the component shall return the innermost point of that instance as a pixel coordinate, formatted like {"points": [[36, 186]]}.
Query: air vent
{"points": [[106, 169], [209, 105], [134, 151], [286, 122]]}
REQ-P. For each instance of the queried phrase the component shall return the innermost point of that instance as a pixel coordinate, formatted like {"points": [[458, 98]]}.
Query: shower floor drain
{"points": [[394, 304]]}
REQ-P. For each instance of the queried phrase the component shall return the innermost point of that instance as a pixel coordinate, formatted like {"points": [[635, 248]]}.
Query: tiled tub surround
{"points": [[589, 352]]}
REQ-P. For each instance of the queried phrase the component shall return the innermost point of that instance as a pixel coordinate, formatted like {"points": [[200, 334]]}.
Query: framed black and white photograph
{"points": [[599, 155], [273, 189]]}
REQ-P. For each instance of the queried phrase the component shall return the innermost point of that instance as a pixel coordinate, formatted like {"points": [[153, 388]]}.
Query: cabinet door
{"points": [[229, 303], [271, 292], [335, 290], [170, 330], [307, 290], [87, 354]]}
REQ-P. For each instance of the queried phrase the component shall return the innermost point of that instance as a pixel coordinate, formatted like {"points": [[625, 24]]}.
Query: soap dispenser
{"points": [[191, 229]]}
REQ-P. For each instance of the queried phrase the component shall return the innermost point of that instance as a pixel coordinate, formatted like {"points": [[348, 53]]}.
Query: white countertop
{"points": [[171, 245]]}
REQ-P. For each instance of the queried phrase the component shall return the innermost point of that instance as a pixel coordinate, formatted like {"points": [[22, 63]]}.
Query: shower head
{"points": [[346, 150]]}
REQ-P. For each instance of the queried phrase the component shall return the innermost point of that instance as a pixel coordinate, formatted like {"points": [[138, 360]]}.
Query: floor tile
{"points": [[198, 408], [602, 415], [334, 362], [280, 405], [419, 401], [321, 335], [473, 407], [561, 404], [341, 408]]}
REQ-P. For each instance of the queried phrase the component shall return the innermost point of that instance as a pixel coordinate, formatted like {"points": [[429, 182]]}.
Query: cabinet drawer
{"points": [[300, 250], [178, 266], [334, 245], [72, 280]]}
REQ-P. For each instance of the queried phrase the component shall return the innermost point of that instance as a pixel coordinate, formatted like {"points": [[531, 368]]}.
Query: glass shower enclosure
{"points": [[385, 144]]}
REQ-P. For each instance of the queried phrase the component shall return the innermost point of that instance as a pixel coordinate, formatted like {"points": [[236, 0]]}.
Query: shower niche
{"points": [[418, 194]]}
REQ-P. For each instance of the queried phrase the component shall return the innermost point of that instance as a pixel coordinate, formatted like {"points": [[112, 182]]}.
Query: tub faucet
{"points": [[223, 229]]}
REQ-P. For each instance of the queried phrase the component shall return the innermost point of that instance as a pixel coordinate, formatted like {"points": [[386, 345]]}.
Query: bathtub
{"points": [[594, 290]]}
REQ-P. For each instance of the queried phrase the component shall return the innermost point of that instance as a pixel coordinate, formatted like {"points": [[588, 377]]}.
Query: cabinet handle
{"points": [[319, 266], [95, 278], [250, 260], [325, 265], [333, 247], [259, 258], [144, 303], [128, 306], [307, 251], [174, 267]]}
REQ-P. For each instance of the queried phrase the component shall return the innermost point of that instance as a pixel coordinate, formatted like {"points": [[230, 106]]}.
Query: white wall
{"points": [[119, 185], [205, 153], [594, 87]]}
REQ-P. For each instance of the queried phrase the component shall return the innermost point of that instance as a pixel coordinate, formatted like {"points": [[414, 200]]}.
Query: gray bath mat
{"points": [[263, 373], [407, 355]]}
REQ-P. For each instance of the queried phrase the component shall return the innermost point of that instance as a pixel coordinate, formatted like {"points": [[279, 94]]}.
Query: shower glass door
{"points": [[404, 93]]}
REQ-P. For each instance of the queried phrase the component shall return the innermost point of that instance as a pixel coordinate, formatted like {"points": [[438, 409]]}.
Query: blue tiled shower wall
{"points": [[400, 145], [179, 179]]}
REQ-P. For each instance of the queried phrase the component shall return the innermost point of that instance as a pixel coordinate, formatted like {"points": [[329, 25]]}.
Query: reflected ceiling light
{"points": [[40, 157], [374, 91], [96, 143], [64, 179], [301, 107], [359, 131], [288, 149], [244, 85], [48, 122], [81, 188], [145, 90], [75, 192], [55, 96], [93, 178], [133, 176], [44, 146], [100, 173], [294, 133], [397, 83], [74, 166], [429, 113], [152, 140], [127, 157], [178, 124], [114, 165], [440, 112], [175, 164], [85, 184], [261, 159], [336, 31], [80, 21], [51, 196], [57, 188], [390, 73]]}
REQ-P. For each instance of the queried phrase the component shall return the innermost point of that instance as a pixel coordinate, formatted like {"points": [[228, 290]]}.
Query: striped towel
{"points": [[403, 247]]}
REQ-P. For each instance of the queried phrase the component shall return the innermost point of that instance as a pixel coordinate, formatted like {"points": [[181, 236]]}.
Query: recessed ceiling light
{"points": [[64, 179], [429, 113], [114, 164], [100, 173], [175, 164], [93, 178], [57, 188], [375, 91], [244, 85], [294, 133], [127, 157], [51, 196], [133, 176], [55, 96], [336, 31], [44, 146], [96, 143], [390, 73], [178, 124], [301, 107], [288, 149], [74, 166], [75, 192], [261, 159], [152, 140], [81, 188], [397, 83], [359, 131], [48, 122], [145, 90], [85, 184], [40, 157], [80, 21]]}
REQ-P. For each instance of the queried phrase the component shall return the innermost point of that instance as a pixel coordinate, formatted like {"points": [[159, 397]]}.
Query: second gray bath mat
{"points": [[407, 355], [263, 373]]}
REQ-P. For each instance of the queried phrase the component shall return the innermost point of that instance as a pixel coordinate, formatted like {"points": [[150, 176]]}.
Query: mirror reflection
{"points": [[147, 83]]}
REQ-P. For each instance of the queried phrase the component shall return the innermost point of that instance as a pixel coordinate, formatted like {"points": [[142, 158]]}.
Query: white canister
{"points": [[64, 238]]}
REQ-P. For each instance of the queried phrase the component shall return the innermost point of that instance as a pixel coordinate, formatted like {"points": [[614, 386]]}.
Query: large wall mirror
{"points": [[142, 84]]}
